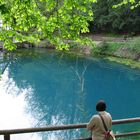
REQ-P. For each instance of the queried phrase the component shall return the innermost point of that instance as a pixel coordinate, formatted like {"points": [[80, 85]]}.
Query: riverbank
{"points": [[119, 49]]}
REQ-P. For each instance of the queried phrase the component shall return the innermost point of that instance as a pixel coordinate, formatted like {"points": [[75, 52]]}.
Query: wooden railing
{"points": [[7, 133]]}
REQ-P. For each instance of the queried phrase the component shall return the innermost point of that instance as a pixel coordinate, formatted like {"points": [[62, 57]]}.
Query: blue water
{"points": [[41, 87]]}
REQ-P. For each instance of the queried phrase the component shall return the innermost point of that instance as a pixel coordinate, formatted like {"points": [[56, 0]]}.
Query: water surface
{"points": [[40, 87]]}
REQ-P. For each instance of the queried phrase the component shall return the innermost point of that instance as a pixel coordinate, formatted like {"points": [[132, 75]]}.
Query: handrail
{"points": [[127, 134], [129, 120], [119, 135], [7, 133]]}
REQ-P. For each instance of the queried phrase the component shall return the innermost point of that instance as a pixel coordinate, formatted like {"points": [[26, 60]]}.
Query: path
{"points": [[100, 37]]}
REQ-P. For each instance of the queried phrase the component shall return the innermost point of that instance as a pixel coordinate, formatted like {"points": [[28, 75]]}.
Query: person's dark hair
{"points": [[101, 106]]}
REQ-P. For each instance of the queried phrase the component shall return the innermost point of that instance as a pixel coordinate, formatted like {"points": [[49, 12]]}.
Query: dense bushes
{"points": [[117, 20]]}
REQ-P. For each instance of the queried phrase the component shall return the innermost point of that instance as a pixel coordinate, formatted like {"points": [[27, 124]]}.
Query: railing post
{"points": [[6, 136]]}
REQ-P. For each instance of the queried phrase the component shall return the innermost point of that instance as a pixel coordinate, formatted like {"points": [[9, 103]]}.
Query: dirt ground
{"points": [[101, 37]]}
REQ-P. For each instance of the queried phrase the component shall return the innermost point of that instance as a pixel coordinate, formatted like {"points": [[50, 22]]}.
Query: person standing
{"points": [[96, 125]]}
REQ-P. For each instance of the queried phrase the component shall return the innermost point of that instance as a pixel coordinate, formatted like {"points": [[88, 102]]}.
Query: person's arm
{"points": [[91, 123], [110, 122]]}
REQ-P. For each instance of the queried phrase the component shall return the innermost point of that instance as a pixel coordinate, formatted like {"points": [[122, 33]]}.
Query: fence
{"points": [[7, 133]]}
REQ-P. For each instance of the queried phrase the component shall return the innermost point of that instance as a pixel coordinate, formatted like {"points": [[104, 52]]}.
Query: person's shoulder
{"points": [[109, 114], [96, 116]]}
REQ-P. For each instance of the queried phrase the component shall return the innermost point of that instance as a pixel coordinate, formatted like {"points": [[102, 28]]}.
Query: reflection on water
{"points": [[47, 88], [13, 107]]}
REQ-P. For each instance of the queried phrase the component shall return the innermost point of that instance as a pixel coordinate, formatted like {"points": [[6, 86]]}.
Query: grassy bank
{"points": [[128, 62], [124, 52]]}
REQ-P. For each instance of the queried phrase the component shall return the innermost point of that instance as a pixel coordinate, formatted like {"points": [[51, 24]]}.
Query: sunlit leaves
{"points": [[54, 20], [9, 45], [133, 3]]}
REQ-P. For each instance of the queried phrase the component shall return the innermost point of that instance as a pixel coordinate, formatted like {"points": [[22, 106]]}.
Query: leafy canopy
{"points": [[134, 3], [120, 20], [33, 20]]}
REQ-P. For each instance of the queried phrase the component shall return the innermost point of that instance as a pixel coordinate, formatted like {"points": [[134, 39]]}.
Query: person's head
{"points": [[101, 106]]}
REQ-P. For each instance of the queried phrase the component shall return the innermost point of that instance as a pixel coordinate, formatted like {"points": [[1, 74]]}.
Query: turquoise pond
{"points": [[40, 87]]}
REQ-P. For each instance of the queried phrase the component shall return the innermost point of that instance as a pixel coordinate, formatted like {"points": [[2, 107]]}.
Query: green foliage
{"points": [[134, 44], [54, 20], [134, 3], [100, 48], [118, 20], [107, 48]]}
